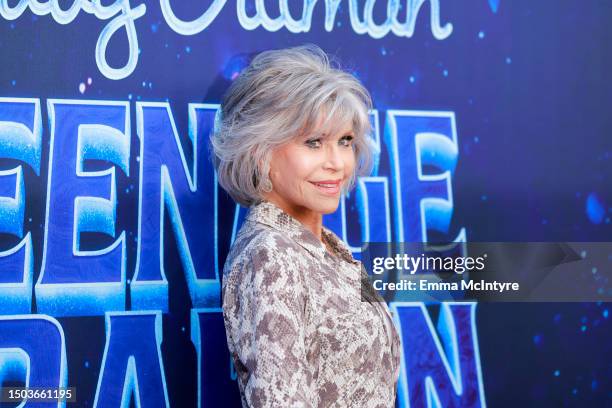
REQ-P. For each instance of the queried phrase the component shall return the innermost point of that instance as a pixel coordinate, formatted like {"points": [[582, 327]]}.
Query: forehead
{"points": [[331, 126]]}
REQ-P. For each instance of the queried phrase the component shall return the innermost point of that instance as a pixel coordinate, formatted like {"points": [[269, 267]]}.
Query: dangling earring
{"points": [[266, 185], [264, 170]]}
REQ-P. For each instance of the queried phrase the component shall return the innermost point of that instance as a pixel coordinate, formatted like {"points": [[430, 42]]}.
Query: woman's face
{"points": [[308, 174]]}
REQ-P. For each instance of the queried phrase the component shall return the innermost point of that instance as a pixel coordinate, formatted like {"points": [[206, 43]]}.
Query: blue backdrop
{"points": [[493, 123]]}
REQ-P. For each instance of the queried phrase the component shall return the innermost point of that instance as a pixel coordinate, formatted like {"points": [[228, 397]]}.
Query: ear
{"points": [[264, 164]]}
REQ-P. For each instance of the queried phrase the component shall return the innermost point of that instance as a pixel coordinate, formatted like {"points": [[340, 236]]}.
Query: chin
{"points": [[328, 207]]}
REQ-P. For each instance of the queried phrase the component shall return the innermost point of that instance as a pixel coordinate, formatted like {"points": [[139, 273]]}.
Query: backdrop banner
{"points": [[491, 120]]}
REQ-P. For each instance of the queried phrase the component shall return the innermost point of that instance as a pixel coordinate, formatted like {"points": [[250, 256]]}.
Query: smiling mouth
{"points": [[328, 187]]}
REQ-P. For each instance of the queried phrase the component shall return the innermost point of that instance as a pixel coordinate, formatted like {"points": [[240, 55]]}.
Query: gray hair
{"points": [[279, 96]]}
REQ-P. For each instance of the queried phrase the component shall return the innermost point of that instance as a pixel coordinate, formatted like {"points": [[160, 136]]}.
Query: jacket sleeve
{"points": [[267, 325]]}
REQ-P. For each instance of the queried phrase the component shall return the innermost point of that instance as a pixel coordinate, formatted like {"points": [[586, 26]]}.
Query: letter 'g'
{"points": [[377, 263]]}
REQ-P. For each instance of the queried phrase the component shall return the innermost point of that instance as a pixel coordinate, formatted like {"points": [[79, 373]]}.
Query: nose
{"points": [[333, 159]]}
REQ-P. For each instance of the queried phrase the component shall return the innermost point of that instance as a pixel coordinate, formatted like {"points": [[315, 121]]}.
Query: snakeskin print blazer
{"points": [[297, 330]]}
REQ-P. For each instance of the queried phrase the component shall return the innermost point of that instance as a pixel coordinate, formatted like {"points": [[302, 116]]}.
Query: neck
{"points": [[314, 223], [311, 220]]}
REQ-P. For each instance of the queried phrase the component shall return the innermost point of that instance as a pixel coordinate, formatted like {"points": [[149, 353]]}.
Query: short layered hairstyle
{"points": [[285, 94]]}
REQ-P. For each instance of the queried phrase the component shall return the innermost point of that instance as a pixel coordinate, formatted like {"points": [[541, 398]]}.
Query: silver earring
{"points": [[266, 185]]}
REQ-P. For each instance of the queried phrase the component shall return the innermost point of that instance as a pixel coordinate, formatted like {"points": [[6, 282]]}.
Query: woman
{"points": [[291, 140]]}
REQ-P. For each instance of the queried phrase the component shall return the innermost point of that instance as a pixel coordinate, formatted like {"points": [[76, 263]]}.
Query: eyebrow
{"points": [[349, 132]]}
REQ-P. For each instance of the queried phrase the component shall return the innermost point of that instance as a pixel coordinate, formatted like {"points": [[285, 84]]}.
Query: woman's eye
{"points": [[313, 143], [346, 140]]}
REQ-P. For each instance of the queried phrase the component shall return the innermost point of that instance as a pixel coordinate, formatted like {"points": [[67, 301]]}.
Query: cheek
{"points": [[289, 167], [303, 165], [349, 162]]}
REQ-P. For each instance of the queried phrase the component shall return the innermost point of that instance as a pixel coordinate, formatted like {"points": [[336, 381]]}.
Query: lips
{"points": [[329, 187]]}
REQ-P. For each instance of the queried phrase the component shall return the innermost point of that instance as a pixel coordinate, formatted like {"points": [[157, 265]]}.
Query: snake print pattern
{"points": [[297, 329]]}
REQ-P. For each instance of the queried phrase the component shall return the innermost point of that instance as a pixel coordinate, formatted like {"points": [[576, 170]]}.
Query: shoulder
{"points": [[264, 267], [255, 240], [258, 247]]}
